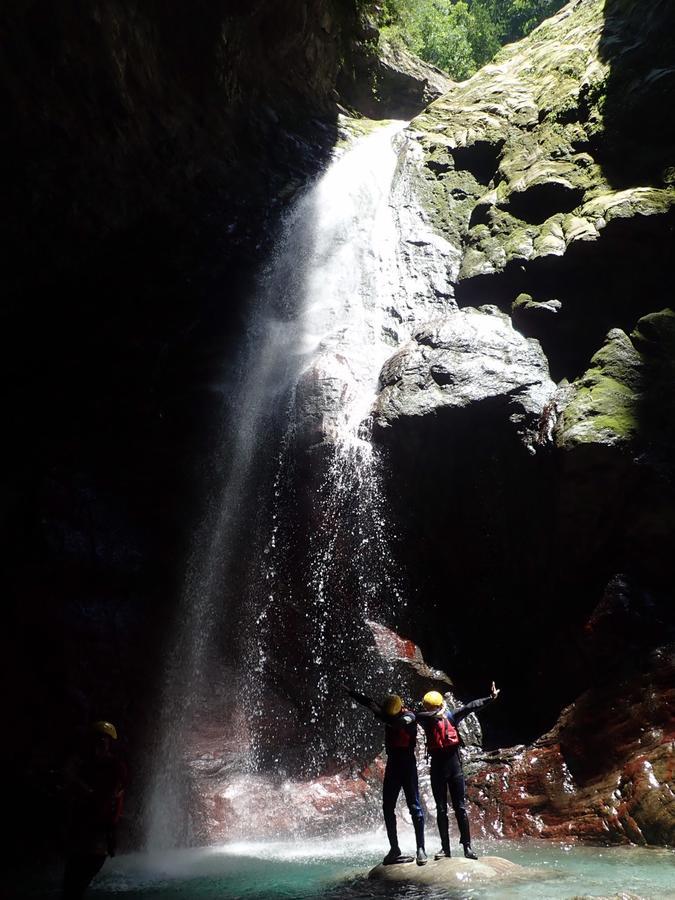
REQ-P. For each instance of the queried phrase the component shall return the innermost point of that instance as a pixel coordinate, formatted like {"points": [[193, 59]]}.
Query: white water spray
{"points": [[342, 290]]}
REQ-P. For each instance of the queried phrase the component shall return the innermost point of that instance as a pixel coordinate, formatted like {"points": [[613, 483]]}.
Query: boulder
{"points": [[407, 82], [461, 360], [455, 872], [627, 394], [386, 80]]}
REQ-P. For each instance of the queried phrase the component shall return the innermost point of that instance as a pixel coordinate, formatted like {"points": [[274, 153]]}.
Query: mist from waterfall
{"points": [[337, 297]]}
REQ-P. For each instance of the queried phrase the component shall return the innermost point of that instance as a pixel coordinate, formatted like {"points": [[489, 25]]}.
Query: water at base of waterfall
{"points": [[337, 869]]}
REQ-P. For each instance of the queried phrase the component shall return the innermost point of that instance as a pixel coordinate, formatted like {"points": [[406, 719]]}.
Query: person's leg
{"points": [[390, 791], [412, 798], [458, 798], [439, 788]]}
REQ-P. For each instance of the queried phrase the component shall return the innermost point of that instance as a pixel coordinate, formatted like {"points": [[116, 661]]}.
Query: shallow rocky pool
{"points": [[307, 870]]}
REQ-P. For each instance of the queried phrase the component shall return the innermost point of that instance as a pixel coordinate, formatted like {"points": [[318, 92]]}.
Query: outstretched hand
{"points": [[494, 691]]}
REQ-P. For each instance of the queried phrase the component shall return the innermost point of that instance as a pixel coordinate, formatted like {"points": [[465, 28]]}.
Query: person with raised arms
{"points": [[443, 742], [400, 739]]}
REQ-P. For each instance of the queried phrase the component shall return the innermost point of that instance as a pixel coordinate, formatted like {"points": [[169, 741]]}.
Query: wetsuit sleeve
{"points": [[458, 714], [367, 702], [407, 718], [400, 721]]}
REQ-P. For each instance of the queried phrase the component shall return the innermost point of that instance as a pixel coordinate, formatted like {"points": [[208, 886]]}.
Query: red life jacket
{"points": [[400, 738], [441, 735]]}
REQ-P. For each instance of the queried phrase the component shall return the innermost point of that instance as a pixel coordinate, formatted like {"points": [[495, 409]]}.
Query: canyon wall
{"points": [[537, 514], [526, 428]]}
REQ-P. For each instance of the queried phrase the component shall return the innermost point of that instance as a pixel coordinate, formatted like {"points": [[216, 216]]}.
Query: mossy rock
{"points": [[536, 116], [627, 396], [603, 409]]}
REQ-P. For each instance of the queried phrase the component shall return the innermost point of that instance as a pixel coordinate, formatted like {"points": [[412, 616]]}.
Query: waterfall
{"points": [[295, 556]]}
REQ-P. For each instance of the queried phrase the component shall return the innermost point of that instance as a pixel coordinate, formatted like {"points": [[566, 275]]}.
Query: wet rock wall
{"points": [[149, 149], [541, 555]]}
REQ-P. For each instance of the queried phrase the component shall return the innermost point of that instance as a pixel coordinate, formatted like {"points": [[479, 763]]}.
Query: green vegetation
{"points": [[461, 35]]}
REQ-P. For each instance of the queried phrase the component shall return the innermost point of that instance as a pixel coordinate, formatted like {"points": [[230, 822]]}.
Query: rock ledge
{"points": [[456, 871]]}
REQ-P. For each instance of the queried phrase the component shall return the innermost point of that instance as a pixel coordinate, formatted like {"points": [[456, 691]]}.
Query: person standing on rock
{"points": [[443, 743], [95, 781], [400, 739]]}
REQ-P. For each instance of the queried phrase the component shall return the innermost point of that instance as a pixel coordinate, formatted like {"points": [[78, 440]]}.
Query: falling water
{"points": [[355, 268]]}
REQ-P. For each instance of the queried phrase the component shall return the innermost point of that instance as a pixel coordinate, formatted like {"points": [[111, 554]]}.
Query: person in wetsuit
{"points": [[400, 739], [95, 781], [443, 743]]}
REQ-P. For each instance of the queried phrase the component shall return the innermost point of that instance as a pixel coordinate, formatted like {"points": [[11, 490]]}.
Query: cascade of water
{"points": [[341, 292], [340, 566]]}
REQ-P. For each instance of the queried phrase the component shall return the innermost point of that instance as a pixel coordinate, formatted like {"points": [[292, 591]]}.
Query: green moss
{"points": [[600, 414], [352, 127], [605, 403], [655, 335], [542, 105]]}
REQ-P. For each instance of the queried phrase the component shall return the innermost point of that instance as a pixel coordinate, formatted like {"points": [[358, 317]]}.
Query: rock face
{"points": [[464, 359], [519, 499], [603, 774], [526, 166], [173, 103], [149, 151], [388, 81]]}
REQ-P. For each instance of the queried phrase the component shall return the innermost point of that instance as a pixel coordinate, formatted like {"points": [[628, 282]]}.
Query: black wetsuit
{"points": [[447, 775], [400, 738], [96, 783]]}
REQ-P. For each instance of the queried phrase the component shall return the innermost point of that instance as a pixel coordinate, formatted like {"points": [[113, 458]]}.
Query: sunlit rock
{"points": [[616, 400], [461, 360], [455, 872], [604, 405], [538, 169], [524, 125]]}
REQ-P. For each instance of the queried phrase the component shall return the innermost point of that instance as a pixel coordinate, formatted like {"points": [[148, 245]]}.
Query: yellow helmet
{"points": [[106, 728], [433, 700], [392, 705]]}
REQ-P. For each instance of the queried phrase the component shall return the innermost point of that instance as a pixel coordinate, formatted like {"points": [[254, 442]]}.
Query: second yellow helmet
{"points": [[392, 705], [433, 700]]}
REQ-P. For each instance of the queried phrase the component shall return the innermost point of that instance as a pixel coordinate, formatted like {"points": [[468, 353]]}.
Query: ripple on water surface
{"points": [[336, 870]]}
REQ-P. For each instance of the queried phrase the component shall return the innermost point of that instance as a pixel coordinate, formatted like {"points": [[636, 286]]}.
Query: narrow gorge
{"points": [[326, 370]]}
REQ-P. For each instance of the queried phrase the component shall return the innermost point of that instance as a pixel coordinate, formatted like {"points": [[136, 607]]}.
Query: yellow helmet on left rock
{"points": [[105, 728], [392, 705]]}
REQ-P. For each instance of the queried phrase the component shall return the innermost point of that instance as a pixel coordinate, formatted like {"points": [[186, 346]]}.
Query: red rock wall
{"points": [[604, 773]]}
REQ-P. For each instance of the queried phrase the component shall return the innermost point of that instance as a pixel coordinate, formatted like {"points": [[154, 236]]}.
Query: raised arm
{"points": [[407, 718], [475, 705], [364, 701]]}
